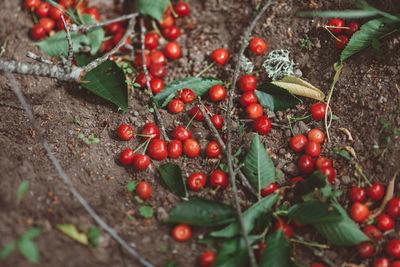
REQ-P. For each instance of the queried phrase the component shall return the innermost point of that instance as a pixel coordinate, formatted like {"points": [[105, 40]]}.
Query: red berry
{"points": [[373, 233], [151, 41], [257, 45], [176, 106], [175, 149], [248, 98], [207, 259], [322, 162], [42, 10], [354, 26], [217, 121], [172, 50], [55, 13], [186, 95], [376, 191], [181, 9], [286, 228], [305, 164], [365, 250], [213, 150], [254, 111], [150, 129], [218, 178], [393, 248], [115, 27], [247, 83], [38, 32], [143, 190], [330, 172], [156, 85], [92, 12], [357, 194], [47, 23], [336, 23], [341, 42], [157, 57], [118, 37], [318, 111], [167, 21], [393, 207], [171, 33], [385, 222], [125, 132], [316, 135], [138, 61], [126, 156], [395, 264], [295, 180], [158, 149], [298, 143], [141, 79], [217, 92], [182, 134], [259, 250], [262, 125], [312, 149], [191, 148], [220, 56], [269, 189], [29, 4], [381, 262], [196, 113], [317, 265], [141, 162], [181, 232], [359, 212], [196, 181]]}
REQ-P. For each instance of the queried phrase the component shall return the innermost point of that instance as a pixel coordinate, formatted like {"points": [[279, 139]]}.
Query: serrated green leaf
{"points": [[22, 188], [198, 85], [7, 250], [146, 211], [153, 8], [57, 44], [275, 98], [277, 251], [106, 81], [345, 14], [71, 231], [201, 212], [314, 212], [261, 208], [371, 30], [95, 35], [342, 233], [258, 167], [172, 176], [28, 248], [130, 186], [93, 236]]}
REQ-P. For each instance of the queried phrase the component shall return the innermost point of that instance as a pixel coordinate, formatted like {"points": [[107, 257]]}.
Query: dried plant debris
{"points": [[278, 64]]}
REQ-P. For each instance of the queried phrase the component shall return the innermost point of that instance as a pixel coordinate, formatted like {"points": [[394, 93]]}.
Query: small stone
{"points": [[270, 114], [298, 73], [300, 128], [290, 169], [161, 214], [346, 179]]}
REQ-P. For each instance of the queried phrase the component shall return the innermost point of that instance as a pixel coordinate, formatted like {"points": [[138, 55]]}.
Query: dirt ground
{"points": [[367, 92]]}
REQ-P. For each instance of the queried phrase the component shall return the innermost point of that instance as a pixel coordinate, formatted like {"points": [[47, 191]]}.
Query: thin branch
{"points": [[38, 58], [246, 36], [86, 28], [65, 178], [70, 49], [318, 253], [11, 106], [146, 74]]}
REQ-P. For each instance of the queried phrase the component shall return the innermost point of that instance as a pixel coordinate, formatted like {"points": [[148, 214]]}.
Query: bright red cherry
{"points": [[47, 23], [171, 33], [248, 98], [372, 232], [247, 83], [395, 264], [196, 113], [217, 121], [186, 95], [143, 190], [365, 250], [305, 164], [172, 50], [181, 9], [322, 162], [336, 23], [167, 21], [341, 42], [29, 4], [38, 32], [156, 85], [151, 41], [359, 212], [217, 93], [141, 79], [262, 125], [218, 178], [286, 228], [357, 194], [181, 232], [125, 132], [118, 37], [393, 207], [259, 250], [298, 143], [191, 148], [354, 26], [138, 61], [141, 162], [381, 262], [158, 70], [213, 150], [254, 111], [150, 129], [316, 135], [220, 56], [295, 180], [92, 12], [312, 149], [126, 157], [176, 106], [257, 45], [385, 222], [42, 10], [115, 27], [157, 57], [330, 172], [376, 191], [157, 149], [175, 149], [318, 111], [393, 248], [269, 189], [196, 181], [182, 134]]}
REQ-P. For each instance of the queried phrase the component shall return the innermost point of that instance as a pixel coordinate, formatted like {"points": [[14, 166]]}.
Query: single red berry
{"points": [[318, 111], [305, 164], [182, 134], [322, 162], [393, 248], [118, 37], [317, 265], [181, 232], [217, 92], [105, 46], [191, 148], [213, 150], [60, 24], [172, 50], [262, 125], [156, 85], [286, 228], [42, 10], [365, 250], [151, 41], [92, 12], [359, 212], [316, 135], [247, 83], [196, 181], [141, 162], [157, 57], [125, 132], [354, 26], [254, 111], [248, 98], [269, 189], [357, 194], [196, 113], [138, 61], [150, 129], [181, 9], [186, 95], [218, 178], [158, 149], [376, 191], [176, 106], [38, 32], [385, 222], [175, 149], [55, 13], [295, 180], [220, 56], [298, 143], [217, 121], [141, 79], [393, 207], [372, 232], [143, 190], [257, 45], [47, 23], [115, 27], [381, 262], [341, 42], [126, 156], [29, 4], [312, 149], [395, 264], [259, 250], [167, 21], [336, 23], [171, 33]]}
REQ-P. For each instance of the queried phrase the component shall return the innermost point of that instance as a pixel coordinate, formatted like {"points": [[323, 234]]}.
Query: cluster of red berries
{"points": [[336, 27], [50, 16]]}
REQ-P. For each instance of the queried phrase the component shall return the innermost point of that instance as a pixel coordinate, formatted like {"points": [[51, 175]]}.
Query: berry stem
{"points": [[205, 69], [144, 143], [301, 240], [359, 171], [290, 125], [191, 119], [334, 37], [172, 10], [153, 23]]}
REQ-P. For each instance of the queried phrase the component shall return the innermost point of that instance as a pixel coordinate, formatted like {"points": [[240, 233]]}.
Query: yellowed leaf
{"points": [[300, 87], [71, 231]]}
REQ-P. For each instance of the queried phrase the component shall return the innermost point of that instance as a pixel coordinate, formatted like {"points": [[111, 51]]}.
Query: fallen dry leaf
{"points": [[347, 132]]}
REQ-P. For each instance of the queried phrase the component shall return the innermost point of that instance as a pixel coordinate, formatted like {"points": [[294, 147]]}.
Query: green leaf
{"points": [[201, 212], [371, 30], [7, 250], [146, 211], [130, 186], [314, 212], [28, 248], [345, 14], [172, 176], [342, 153], [315, 180], [106, 81], [153, 8], [275, 98], [170, 264], [198, 85], [71, 231], [258, 167], [57, 44], [32, 233], [342, 233], [261, 208], [22, 188], [277, 252], [93, 236], [95, 35]]}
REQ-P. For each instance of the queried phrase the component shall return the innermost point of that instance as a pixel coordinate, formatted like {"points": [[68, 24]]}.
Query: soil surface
{"points": [[367, 92]]}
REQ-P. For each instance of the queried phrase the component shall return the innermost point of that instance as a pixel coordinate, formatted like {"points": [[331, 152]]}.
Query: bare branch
{"points": [[38, 58], [86, 28], [70, 48]]}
